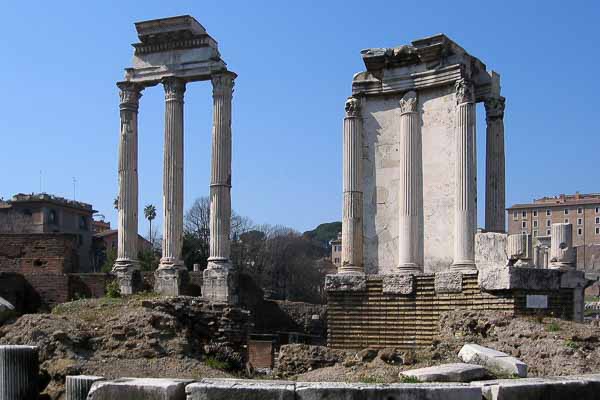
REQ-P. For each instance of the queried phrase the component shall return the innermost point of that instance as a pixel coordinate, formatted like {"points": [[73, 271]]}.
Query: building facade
{"points": [[580, 210], [336, 250], [45, 213]]}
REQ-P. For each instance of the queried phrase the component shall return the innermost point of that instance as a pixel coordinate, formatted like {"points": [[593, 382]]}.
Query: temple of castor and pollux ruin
{"points": [[410, 245]]}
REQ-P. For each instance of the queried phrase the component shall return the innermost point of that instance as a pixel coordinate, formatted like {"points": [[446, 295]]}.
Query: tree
{"points": [[150, 214]]}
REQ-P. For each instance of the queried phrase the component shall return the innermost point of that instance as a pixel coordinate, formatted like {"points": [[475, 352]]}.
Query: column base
{"points": [[128, 276], [466, 267], [409, 268], [351, 270], [220, 283], [170, 280]]}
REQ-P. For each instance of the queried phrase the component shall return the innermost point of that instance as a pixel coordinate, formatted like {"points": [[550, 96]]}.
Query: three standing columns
{"points": [[465, 209], [410, 194], [352, 224], [127, 264], [495, 202], [220, 175]]}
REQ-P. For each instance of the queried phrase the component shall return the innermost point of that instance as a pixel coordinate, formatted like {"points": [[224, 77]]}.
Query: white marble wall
{"points": [[381, 178]]}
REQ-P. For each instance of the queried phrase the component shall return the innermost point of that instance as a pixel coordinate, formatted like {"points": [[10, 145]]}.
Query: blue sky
{"points": [[295, 61]]}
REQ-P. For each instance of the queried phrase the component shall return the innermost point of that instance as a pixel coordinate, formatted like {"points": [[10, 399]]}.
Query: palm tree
{"points": [[150, 214]]}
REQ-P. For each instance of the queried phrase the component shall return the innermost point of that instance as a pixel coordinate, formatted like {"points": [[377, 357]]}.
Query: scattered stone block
{"points": [[230, 389], [490, 249], [457, 372], [78, 387], [496, 361], [399, 284], [448, 282], [424, 391], [579, 388], [508, 278], [139, 388], [345, 283], [19, 369]]}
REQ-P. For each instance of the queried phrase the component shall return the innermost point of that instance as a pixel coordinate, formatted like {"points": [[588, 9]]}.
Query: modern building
{"points": [[580, 210], [336, 250], [46, 213], [106, 241]]}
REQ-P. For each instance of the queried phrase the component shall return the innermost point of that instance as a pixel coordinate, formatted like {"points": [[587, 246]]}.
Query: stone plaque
{"points": [[537, 301]]}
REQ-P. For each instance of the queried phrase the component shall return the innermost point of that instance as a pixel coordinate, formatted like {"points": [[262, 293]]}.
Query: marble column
{"points": [[562, 252], [19, 370], [126, 267], [410, 190], [465, 210], [77, 387], [169, 273], [352, 222], [219, 284], [495, 192]]}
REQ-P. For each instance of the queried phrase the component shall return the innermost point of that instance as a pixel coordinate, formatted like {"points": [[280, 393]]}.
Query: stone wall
{"points": [[33, 253], [404, 313]]}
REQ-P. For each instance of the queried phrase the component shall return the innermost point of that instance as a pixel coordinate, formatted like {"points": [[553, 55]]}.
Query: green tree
{"points": [[150, 214], [109, 261]]}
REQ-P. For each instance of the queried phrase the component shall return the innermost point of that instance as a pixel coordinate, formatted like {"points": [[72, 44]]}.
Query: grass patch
{"points": [[217, 364], [373, 379], [409, 379], [553, 327], [571, 344]]}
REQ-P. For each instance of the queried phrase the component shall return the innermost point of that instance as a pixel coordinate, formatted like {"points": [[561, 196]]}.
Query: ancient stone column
{"points": [[495, 201], [410, 188], [218, 283], [77, 387], [465, 175], [171, 271], [352, 228], [562, 252], [19, 369], [126, 267]]}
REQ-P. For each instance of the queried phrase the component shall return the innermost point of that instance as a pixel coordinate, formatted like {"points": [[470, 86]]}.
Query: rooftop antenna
{"points": [[74, 183], [40, 181]]}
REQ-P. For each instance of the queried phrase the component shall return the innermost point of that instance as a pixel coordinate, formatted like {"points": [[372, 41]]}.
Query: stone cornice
{"points": [[352, 107], [169, 44]]}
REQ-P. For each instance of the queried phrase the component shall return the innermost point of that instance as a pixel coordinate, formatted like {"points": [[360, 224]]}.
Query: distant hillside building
{"points": [[107, 240], [336, 250], [45, 213], [581, 210]]}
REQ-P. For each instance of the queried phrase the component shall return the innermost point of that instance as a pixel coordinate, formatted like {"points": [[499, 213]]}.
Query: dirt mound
{"points": [[141, 336]]}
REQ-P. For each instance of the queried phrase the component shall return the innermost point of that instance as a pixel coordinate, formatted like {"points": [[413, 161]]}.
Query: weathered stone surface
{"points": [[518, 278], [19, 369], [457, 372], [77, 387], [495, 361], [339, 390], [448, 282], [399, 284], [142, 388], [345, 283], [296, 359], [220, 285], [573, 279], [490, 250], [231, 389], [577, 387]]}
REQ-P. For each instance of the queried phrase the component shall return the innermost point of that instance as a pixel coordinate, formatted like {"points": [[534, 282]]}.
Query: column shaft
{"points": [[495, 186], [352, 228], [410, 195], [173, 174], [220, 178], [127, 202], [465, 177]]}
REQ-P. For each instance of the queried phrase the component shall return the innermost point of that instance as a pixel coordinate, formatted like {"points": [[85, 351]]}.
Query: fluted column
{"points": [[77, 387], [173, 175], [562, 252], [19, 370], [495, 191], [410, 190], [465, 178], [352, 222], [220, 177], [127, 202]]}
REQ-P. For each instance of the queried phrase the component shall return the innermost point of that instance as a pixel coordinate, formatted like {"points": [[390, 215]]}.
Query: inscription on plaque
{"points": [[537, 301]]}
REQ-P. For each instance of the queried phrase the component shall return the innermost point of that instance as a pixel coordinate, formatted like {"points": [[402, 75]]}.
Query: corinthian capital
{"points": [[130, 94], [174, 89], [352, 107], [494, 107], [223, 83], [465, 91], [408, 103]]}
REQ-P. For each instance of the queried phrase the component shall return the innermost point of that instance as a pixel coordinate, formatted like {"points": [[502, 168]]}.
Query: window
{"points": [[524, 224], [535, 223], [548, 232], [598, 220], [524, 214], [337, 260], [566, 220], [524, 232], [535, 213], [83, 223], [566, 211], [548, 222], [597, 231], [515, 215], [52, 217], [535, 233], [580, 210], [579, 221], [548, 212], [597, 210], [27, 212], [579, 231]]}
